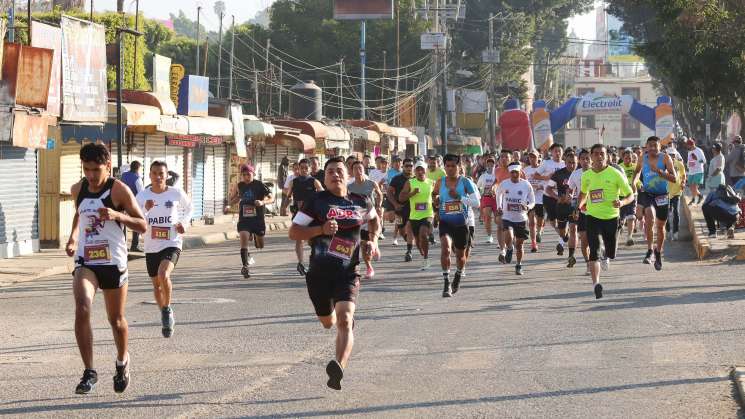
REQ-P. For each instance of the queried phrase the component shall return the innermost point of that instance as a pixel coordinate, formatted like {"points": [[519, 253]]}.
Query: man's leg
{"points": [[84, 287], [532, 226], [245, 238], [258, 241], [660, 227], [446, 244], [486, 213], [164, 282], [345, 334], [519, 250], [423, 241], [649, 226], [500, 232], [116, 300], [710, 220]]}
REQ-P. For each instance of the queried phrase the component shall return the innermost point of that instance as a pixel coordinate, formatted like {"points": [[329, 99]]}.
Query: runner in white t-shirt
{"points": [[547, 169], [167, 211], [536, 218], [515, 198], [487, 186], [696, 162]]}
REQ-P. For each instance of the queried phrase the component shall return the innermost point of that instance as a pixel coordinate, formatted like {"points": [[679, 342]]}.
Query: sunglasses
{"points": [[408, 165]]}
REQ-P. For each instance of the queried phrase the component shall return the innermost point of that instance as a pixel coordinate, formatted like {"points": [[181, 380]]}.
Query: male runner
{"points": [[434, 173], [602, 186], [656, 170], [361, 185], [558, 190], [304, 187], [471, 217], [252, 196], [515, 198], [628, 212], [544, 173], [487, 183], [379, 175], [402, 207], [577, 222], [287, 188], [104, 206], [455, 195], [501, 173], [332, 223], [390, 213], [535, 215], [418, 192], [315, 169], [167, 211]]}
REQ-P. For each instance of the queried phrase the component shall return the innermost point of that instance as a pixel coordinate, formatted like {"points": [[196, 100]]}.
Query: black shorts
{"points": [[416, 225], [325, 289], [537, 210], [109, 277], [364, 235], [628, 211], [153, 260], [255, 226], [387, 205], [608, 230], [661, 204], [580, 222], [459, 234], [549, 205], [471, 235], [520, 230]]}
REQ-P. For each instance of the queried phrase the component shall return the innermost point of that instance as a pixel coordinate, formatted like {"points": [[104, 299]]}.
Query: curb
{"points": [[738, 376], [700, 241], [196, 242]]}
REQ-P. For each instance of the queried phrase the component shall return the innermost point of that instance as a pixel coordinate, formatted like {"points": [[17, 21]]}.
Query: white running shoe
{"points": [[490, 239], [425, 264], [587, 272], [251, 261], [605, 264], [675, 236], [395, 242]]}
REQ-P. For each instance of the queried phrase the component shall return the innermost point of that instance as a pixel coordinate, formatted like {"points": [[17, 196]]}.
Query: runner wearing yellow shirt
{"points": [[675, 190], [418, 191], [628, 212]]}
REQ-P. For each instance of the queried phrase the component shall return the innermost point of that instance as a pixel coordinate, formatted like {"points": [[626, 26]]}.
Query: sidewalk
{"points": [[702, 244], [54, 261]]}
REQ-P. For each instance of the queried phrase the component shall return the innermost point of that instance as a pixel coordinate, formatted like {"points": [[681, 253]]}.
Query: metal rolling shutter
{"points": [[197, 184], [175, 161], [209, 181], [19, 212]]}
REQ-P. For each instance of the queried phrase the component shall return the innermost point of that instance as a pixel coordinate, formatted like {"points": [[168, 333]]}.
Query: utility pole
{"points": [[91, 10], [396, 115], [12, 22], [444, 98], [268, 45], [119, 125], [363, 35], [281, 87], [341, 88], [206, 56], [490, 105], [232, 53], [256, 89], [219, 57], [199, 10], [382, 87], [28, 16], [137, 28]]}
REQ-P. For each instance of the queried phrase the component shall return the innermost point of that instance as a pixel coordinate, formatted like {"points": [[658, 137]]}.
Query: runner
{"points": [[455, 195], [696, 162], [487, 184], [418, 192], [471, 217], [434, 173], [390, 213], [104, 206], [332, 223], [501, 173], [544, 174], [656, 170], [535, 215], [676, 191], [401, 208], [628, 212], [167, 211], [515, 198], [304, 187], [315, 169], [252, 196], [287, 188], [602, 186], [577, 222], [558, 189], [379, 175], [361, 185]]}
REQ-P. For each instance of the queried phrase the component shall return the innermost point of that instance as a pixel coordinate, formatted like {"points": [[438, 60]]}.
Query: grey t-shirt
{"points": [[717, 162]]}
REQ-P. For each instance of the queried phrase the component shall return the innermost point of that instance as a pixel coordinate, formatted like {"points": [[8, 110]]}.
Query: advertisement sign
{"points": [[620, 43], [363, 9], [50, 37], [594, 104], [196, 139], [194, 96], [26, 71], [161, 75], [433, 40], [542, 135], [664, 122], [2, 36], [84, 89], [236, 115], [30, 131], [176, 75], [178, 142]]}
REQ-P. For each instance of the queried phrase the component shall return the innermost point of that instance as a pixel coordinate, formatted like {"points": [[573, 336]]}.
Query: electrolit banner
{"points": [[664, 121], [541, 119], [594, 104]]}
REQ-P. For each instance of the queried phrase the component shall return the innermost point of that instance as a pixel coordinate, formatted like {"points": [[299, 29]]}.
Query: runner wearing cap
{"points": [[418, 192], [696, 162], [544, 173], [535, 215], [362, 185], [487, 184], [515, 197], [401, 208], [389, 213], [577, 221]]}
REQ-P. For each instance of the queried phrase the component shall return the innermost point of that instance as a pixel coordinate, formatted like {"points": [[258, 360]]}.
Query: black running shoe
{"points": [[167, 321], [456, 282], [533, 250], [121, 379], [407, 257], [571, 262], [335, 373], [657, 260], [88, 382], [431, 239], [648, 258], [559, 249], [598, 291], [447, 291], [518, 269], [538, 237], [508, 255], [502, 259], [301, 269], [246, 274]]}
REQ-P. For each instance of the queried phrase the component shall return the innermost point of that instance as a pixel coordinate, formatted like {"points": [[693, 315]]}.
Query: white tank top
{"points": [[100, 243]]}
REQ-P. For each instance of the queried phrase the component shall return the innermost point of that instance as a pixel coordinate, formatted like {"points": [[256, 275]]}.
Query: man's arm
{"points": [[186, 209], [73, 239], [530, 198], [407, 193], [671, 174], [301, 229], [550, 190], [132, 216], [472, 198], [637, 174], [317, 185], [379, 196], [392, 198]]}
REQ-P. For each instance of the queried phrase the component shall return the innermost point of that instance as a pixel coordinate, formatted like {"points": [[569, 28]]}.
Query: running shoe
{"points": [[88, 382], [571, 262], [381, 236], [431, 239], [533, 248], [559, 249], [598, 291], [713, 235], [407, 257], [648, 257], [730, 233], [251, 261], [301, 269], [630, 242], [604, 264], [490, 239], [447, 291], [508, 256], [539, 236], [121, 379], [395, 242], [518, 269], [657, 260], [425, 264], [502, 259], [167, 321], [675, 236], [335, 373], [245, 272], [456, 282]]}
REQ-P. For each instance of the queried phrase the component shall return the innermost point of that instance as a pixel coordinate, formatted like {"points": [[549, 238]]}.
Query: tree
{"points": [[219, 8]]}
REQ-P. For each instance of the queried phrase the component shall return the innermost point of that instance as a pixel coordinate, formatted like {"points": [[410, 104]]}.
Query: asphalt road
{"points": [[660, 344]]}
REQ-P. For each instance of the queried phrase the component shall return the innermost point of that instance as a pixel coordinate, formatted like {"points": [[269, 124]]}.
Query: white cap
{"points": [[515, 167], [420, 164]]}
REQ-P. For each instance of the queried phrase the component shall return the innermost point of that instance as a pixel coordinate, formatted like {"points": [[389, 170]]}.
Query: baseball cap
{"points": [[247, 168], [420, 164], [515, 167], [691, 141]]}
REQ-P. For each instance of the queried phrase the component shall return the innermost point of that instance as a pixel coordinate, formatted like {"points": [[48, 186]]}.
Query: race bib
{"points": [[514, 207], [661, 200], [453, 207], [97, 253], [487, 192], [420, 206], [597, 196], [692, 163], [160, 233], [342, 248], [249, 211]]}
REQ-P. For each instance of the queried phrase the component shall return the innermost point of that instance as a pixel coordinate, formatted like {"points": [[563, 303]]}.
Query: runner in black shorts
{"points": [[302, 190], [331, 222], [577, 221], [402, 207], [558, 192]]}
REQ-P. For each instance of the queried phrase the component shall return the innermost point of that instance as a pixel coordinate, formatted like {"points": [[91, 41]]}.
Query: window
{"points": [[630, 127], [585, 121]]}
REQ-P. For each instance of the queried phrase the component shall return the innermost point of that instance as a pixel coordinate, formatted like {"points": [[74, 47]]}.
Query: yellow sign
{"points": [[177, 74]]}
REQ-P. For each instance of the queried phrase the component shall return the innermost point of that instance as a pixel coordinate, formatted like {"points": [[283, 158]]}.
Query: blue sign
{"points": [[193, 97], [51, 143], [93, 133]]}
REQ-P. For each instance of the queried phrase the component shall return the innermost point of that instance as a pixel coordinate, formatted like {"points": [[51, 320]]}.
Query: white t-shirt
{"points": [[472, 214], [696, 161], [717, 162], [288, 182], [485, 182], [376, 176], [170, 208], [548, 168], [511, 196], [535, 183], [575, 183]]}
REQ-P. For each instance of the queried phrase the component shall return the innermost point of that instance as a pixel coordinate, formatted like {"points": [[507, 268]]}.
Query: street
{"points": [[658, 344]]}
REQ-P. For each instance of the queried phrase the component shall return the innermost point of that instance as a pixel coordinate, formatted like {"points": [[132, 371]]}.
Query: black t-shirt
{"points": [[561, 179], [341, 251], [303, 189], [320, 176], [248, 193], [397, 183]]}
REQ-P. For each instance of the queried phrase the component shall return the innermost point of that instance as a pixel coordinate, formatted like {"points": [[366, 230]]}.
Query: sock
{"points": [[124, 361], [571, 251], [459, 272], [409, 247], [244, 257], [446, 273]]}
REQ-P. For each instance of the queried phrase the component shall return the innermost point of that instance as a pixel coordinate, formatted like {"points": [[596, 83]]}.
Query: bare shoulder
{"points": [[75, 189]]}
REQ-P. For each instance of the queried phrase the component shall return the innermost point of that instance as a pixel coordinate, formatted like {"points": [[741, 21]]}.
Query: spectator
{"points": [[716, 168], [133, 180], [696, 162], [735, 161], [286, 189], [721, 206]]}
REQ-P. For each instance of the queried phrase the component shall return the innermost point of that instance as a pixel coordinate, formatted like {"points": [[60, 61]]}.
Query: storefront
{"points": [[337, 143]]}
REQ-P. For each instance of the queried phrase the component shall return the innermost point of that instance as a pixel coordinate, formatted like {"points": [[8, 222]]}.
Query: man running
{"points": [[558, 189], [515, 198], [544, 173], [628, 212], [167, 211], [418, 192], [434, 173], [315, 169], [456, 196], [252, 196], [535, 215], [656, 170], [471, 217], [602, 186], [401, 208], [361, 185], [390, 211], [577, 222], [304, 187], [380, 176], [332, 223], [487, 183], [104, 206]]}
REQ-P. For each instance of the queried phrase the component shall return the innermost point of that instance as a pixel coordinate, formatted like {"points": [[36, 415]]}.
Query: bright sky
{"points": [[583, 25]]}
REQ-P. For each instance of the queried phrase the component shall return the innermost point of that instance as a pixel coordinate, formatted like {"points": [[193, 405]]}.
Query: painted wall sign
{"points": [[50, 37], [194, 96], [84, 89]]}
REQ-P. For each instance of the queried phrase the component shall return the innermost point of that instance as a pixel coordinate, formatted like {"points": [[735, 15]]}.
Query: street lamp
{"points": [[119, 128]]}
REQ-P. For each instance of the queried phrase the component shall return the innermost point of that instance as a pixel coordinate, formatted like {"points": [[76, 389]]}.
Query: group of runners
{"points": [[339, 211]]}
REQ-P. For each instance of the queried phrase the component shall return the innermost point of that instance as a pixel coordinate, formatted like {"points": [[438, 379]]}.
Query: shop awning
{"points": [[315, 129], [379, 127], [337, 134], [210, 125], [135, 115], [175, 124], [164, 103], [412, 139], [302, 141], [400, 132], [473, 141], [372, 136], [258, 129]]}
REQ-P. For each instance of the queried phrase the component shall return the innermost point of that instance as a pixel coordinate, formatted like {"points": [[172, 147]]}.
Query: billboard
{"points": [[193, 98], [363, 9], [620, 43], [50, 37], [84, 95], [239, 133], [26, 72], [2, 36], [161, 76]]}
